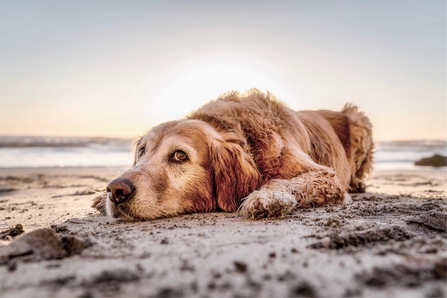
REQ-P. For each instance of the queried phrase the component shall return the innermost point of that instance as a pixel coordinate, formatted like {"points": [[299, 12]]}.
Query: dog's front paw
{"points": [[267, 204], [99, 203]]}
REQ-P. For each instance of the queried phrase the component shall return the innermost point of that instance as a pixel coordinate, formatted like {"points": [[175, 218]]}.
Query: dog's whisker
{"points": [[112, 170]]}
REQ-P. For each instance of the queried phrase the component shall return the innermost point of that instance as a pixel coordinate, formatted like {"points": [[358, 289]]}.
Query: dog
{"points": [[244, 152]]}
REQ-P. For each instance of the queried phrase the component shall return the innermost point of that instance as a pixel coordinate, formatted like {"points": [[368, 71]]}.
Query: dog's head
{"points": [[183, 167]]}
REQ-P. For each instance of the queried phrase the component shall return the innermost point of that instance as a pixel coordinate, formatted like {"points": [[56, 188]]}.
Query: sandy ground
{"points": [[390, 242]]}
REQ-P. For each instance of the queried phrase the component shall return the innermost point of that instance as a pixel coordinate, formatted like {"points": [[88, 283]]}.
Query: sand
{"points": [[389, 242]]}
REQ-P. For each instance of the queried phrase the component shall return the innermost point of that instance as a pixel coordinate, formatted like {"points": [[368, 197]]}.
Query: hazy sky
{"points": [[116, 68]]}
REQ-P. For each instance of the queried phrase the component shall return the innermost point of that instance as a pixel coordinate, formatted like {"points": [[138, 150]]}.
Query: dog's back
{"points": [[354, 134], [340, 140]]}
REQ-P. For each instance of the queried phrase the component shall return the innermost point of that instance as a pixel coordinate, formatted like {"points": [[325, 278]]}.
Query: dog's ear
{"points": [[235, 172]]}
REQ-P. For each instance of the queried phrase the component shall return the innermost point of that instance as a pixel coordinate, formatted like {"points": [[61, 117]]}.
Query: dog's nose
{"points": [[120, 190]]}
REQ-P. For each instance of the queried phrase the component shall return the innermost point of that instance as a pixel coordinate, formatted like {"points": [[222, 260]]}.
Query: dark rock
{"points": [[434, 161]]}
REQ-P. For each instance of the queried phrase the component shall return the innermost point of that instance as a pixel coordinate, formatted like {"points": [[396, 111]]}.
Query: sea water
{"points": [[401, 155], [34, 152]]}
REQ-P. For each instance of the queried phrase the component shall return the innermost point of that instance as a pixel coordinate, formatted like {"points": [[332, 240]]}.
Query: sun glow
{"points": [[195, 86]]}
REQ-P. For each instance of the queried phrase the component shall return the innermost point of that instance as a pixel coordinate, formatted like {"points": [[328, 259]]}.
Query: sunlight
{"points": [[196, 86]]}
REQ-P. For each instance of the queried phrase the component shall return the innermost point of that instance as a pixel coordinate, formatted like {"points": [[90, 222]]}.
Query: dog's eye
{"points": [[141, 151], [180, 156]]}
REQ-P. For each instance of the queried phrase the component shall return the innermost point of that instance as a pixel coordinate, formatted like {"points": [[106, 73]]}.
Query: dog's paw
{"points": [[267, 204], [315, 189], [99, 203], [357, 186]]}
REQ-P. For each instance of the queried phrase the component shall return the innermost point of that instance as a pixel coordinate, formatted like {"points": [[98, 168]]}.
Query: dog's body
{"points": [[248, 152]]}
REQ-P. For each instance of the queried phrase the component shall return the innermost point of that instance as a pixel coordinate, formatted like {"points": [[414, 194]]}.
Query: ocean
{"points": [[35, 152], [38, 152]]}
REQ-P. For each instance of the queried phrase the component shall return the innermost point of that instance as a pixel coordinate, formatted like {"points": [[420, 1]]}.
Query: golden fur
{"points": [[246, 152]]}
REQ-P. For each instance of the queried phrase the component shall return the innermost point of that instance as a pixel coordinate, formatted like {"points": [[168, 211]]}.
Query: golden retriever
{"points": [[244, 152]]}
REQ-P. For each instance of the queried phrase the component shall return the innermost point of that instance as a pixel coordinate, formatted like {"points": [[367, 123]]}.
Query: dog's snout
{"points": [[120, 190]]}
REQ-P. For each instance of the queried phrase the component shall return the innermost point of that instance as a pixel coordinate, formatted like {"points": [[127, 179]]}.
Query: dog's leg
{"points": [[278, 197]]}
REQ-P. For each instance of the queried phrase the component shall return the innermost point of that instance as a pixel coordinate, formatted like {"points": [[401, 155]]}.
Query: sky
{"points": [[118, 68]]}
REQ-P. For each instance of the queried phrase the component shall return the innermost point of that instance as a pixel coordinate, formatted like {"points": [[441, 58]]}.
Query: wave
{"points": [[414, 145], [66, 142]]}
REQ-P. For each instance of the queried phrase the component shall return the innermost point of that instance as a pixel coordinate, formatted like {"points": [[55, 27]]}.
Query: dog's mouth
{"points": [[122, 214], [120, 211]]}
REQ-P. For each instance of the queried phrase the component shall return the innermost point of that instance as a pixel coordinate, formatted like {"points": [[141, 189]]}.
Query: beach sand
{"points": [[390, 242]]}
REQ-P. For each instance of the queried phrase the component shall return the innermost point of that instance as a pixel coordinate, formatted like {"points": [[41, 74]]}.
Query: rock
{"points": [[434, 161]]}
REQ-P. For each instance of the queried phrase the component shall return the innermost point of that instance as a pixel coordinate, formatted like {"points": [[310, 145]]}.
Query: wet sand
{"points": [[391, 241]]}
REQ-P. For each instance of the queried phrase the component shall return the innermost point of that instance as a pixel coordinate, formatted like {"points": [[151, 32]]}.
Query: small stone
{"points": [[240, 267]]}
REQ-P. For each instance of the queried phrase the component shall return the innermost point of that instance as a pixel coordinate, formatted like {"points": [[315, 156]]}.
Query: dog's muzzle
{"points": [[120, 190]]}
